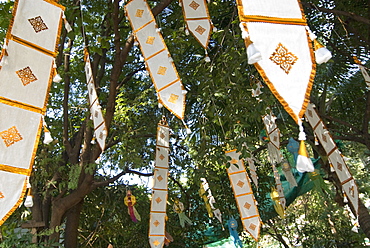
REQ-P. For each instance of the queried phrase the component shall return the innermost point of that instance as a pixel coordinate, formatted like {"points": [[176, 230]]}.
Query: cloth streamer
{"points": [[100, 129], [243, 193], [253, 170], [178, 207], [278, 31], [197, 20], [335, 157], [233, 230], [130, 201], [158, 205], [159, 63], [210, 201], [27, 70]]}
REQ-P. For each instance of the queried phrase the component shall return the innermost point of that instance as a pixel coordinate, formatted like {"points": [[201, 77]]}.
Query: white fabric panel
{"points": [[240, 183], [11, 187], [173, 98], [161, 158], [351, 190], [159, 200], [269, 121], [253, 226], [18, 151], [33, 89], [291, 84], [160, 178], [253, 171], [51, 17], [324, 137], [201, 29], [150, 40], [195, 8], [235, 164], [139, 13], [340, 166], [163, 134], [311, 115], [273, 8], [247, 206], [156, 242], [157, 223], [162, 70]]}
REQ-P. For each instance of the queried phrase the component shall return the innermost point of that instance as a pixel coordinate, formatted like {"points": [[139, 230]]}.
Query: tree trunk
{"points": [[73, 220], [364, 218]]}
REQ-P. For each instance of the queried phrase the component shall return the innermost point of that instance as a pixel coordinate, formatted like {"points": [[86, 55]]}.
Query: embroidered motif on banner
{"points": [[240, 184], [26, 75], [194, 5], [252, 226], [38, 24], [283, 58], [247, 205], [150, 40], [139, 13], [173, 98], [156, 223], [200, 29], [10, 136], [162, 70], [160, 178], [156, 242], [158, 200], [1, 195]]}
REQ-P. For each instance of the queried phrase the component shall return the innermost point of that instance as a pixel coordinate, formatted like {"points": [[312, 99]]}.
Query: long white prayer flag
{"points": [[158, 60], [26, 74]]}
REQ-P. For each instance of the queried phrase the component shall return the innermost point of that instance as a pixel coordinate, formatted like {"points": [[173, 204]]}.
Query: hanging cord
{"points": [[83, 26]]}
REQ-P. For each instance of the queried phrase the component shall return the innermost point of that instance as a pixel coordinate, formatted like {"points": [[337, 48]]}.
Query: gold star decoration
{"points": [[283, 58], [10, 136], [26, 75], [38, 24]]}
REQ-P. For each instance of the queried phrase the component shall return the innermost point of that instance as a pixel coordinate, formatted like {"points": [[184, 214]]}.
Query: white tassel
{"points": [[184, 92], [47, 136], [322, 54], [66, 24], [214, 29], [311, 35], [188, 130], [186, 31], [29, 201], [160, 105], [57, 78], [302, 135], [253, 54]]}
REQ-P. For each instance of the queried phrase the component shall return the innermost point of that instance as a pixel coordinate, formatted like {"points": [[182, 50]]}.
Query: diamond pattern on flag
{"points": [[247, 206], [20, 153], [173, 98], [163, 133], [157, 223], [12, 188], [324, 137], [33, 92], [241, 185], [201, 29], [150, 40], [340, 166], [38, 22], [195, 9], [138, 13], [160, 178], [351, 190], [290, 80], [311, 115], [161, 158], [159, 200], [253, 226]]}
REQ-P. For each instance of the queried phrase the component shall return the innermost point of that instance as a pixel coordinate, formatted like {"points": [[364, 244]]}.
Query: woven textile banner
{"points": [[335, 157], [157, 57], [197, 20], [100, 129], [277, 28], [25, 78], [243, 193], [159, 196]]}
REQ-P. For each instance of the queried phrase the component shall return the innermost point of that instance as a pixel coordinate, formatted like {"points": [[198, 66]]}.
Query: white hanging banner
{"points": [[335, 157], [197, 20], [278, 31], [100, 129], [26, 74], [253, 170], [211, 200], [162, 70], [159, 196], [243, 193]]}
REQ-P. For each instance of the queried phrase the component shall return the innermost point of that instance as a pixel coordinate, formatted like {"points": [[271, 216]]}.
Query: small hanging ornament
{"points": [[178, 207], [29, 198], [253, 54], [47, 135], [57, 78], [277, 205], [233, 229], [304, 163], [322, 54], [67, 26], [130, 201], [203, 194], [207, 59], [168, 238], [288, 173]]}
